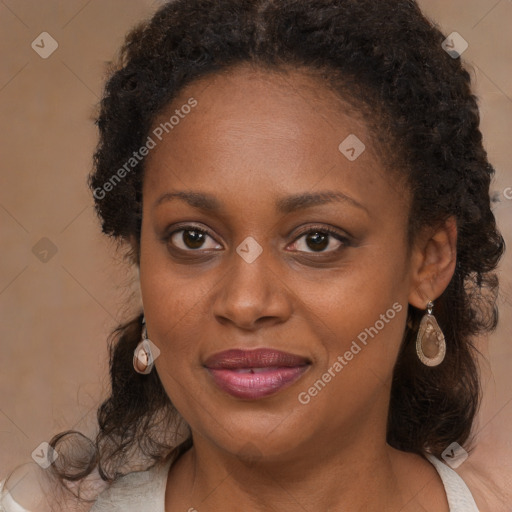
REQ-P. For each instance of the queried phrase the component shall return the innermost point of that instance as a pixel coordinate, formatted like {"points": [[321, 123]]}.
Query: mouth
{"points": [[254, 374]]}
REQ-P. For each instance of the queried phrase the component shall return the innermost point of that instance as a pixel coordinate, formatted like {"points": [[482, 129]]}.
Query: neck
{"points": [[353, 474]]}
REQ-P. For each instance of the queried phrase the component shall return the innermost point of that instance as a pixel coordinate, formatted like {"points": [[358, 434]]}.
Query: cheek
{"points": [[176, 314], [175, 309], [173, 303], [361, 311], [363, 322]]}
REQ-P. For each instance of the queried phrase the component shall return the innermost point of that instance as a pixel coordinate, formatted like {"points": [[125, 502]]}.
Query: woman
{"points": [[304, 190]]}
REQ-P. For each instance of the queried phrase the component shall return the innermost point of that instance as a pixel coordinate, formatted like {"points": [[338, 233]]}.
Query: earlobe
{"points": [[433, 263]]}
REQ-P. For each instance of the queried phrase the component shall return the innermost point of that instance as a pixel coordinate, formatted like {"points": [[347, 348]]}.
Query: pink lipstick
{"points": [[253, 374]]}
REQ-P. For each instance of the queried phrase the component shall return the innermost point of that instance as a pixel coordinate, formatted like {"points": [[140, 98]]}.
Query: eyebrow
{"points": [[208, 202]]}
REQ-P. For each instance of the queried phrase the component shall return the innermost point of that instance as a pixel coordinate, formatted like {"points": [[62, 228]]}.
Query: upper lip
{"points": [[258, 358]]}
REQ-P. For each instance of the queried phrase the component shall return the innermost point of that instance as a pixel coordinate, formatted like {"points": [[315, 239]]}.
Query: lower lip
{"points": [[252, 386]]}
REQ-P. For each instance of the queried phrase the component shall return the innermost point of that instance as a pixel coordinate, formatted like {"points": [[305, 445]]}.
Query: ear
{"points": [[433, 260]]}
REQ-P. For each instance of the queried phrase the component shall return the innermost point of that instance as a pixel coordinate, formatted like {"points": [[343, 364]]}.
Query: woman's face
{"points": [[274, 334]]}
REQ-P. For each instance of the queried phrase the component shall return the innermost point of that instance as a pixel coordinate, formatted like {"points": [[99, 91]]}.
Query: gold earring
{"points": [[143, 357], [430, 343]]}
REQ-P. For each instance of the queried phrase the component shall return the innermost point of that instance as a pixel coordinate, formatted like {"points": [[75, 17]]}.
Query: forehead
{"points": [[258, 128], [283, 105]]}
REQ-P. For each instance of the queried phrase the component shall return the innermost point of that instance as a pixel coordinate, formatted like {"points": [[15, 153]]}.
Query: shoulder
{"points": [[490, 484], [135, 492], [140, 491], [7, 503], [458, 494]]}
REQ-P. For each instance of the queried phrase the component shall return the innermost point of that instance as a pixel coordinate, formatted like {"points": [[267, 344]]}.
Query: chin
{"points": [[255, 436]]}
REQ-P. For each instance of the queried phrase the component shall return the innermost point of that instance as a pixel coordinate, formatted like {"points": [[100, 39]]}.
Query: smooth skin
{"points": [[254, 138]]}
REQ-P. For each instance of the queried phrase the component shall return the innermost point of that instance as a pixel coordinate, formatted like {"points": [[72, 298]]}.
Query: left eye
{"points": [[192, 239], [318, 240]]}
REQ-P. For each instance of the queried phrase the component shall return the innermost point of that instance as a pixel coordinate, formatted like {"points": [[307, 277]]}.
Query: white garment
{"points": [[144, 491], [459, 496]]}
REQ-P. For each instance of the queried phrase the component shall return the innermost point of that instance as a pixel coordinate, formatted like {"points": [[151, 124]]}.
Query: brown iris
{"points": [[193, 239], [319, 240]]}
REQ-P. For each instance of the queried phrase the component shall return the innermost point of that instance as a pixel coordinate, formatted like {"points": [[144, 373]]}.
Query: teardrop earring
{"points": [[143, 358], [430, 343]]}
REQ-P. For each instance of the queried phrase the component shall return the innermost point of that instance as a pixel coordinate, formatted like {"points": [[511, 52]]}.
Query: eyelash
{"points": [[312, 229]]}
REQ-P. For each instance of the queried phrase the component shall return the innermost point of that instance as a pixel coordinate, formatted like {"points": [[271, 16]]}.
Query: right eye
{"points": [[191, 239]]}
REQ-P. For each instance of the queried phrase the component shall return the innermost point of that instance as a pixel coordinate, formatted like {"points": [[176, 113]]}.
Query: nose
{"points": [[252, 295]]}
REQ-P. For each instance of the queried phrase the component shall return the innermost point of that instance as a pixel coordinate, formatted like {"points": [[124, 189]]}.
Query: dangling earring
{"points": [[143, 356], [430, 343]]}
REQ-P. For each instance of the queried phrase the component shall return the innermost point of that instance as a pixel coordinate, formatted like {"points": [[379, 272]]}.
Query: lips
{"points": [[253, 374]]}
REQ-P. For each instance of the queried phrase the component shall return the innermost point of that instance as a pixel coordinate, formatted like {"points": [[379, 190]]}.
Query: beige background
{"points": [[55, 315]]}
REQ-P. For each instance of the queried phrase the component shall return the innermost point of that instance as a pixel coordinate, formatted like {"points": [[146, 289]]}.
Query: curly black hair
{"points": [[384, 57]]}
